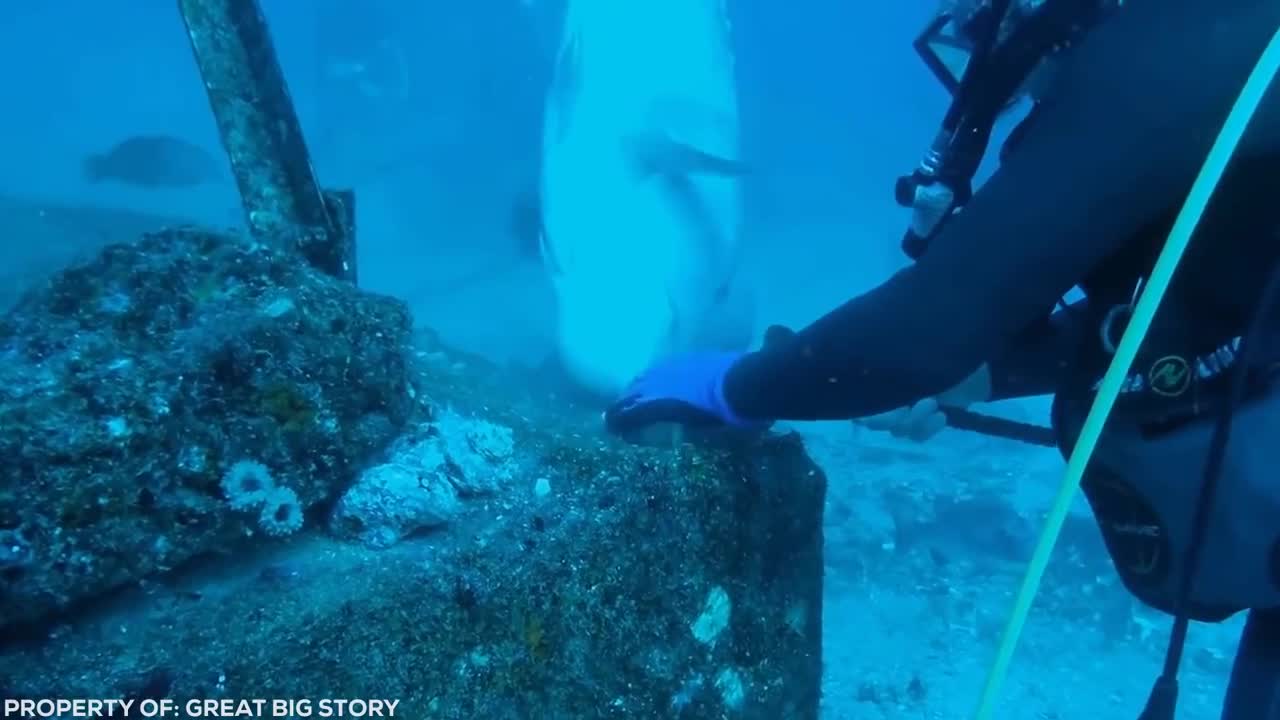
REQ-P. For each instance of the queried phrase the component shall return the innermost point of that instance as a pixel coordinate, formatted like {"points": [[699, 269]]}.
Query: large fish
{"points": [[156, 162], [640, 189]]}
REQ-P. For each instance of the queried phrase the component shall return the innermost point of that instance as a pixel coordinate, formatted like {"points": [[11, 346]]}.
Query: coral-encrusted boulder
{"points": [[503, 559], [131, 385]]}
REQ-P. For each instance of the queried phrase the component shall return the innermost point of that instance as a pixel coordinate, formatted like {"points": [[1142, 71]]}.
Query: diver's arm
{"points": [[1037, 360], [1035, 364], [1116, 145]]}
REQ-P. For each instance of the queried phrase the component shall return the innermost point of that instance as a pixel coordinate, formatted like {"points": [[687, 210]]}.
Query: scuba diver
{"points": [[1128, 98]]}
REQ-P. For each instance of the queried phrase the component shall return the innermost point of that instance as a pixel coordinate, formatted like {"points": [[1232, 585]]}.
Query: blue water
{"points": [[432, 111]]}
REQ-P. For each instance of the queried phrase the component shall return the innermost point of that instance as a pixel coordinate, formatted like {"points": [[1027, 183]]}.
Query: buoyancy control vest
{"points": [[1145, 478]]}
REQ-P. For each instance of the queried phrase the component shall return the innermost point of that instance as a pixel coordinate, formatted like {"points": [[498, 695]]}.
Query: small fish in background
{"points": [[155, 162]]}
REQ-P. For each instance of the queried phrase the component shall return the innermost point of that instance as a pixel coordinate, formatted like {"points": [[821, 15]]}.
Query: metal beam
{"points": [[282, 199]]}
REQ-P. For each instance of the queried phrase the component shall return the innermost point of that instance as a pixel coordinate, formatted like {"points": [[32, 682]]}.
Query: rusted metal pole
{"points": [[282, 199]]}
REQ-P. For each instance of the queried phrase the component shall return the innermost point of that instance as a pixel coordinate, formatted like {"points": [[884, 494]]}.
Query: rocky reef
{"points": [[226, 475], [131, 384]]}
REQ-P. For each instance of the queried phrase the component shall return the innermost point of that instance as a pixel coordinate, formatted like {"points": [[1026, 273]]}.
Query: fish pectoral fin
{"points": [[657, 153]]}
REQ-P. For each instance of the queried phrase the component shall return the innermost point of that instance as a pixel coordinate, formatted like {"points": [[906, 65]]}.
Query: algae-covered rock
{"points": [[570, 575], [131, 385]]}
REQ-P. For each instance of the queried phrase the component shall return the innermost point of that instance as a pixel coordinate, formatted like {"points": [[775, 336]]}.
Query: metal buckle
{"points": [[1107, 326], [1105, 333]]}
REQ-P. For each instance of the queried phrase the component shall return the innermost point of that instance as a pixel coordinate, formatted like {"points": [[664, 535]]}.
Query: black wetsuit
{"points": [[1085, 199]]}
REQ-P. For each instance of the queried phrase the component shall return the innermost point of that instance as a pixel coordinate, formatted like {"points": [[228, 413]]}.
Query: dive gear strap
{"points": [[997, 68], [1176, 377], [1163, 700]]}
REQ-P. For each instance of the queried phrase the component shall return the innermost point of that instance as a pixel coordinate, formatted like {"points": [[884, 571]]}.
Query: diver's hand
{"points": [[918, 422], [924, 419], [685, 389]]}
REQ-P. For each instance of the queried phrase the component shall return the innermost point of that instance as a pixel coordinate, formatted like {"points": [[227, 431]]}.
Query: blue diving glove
{"points": [[686, 389]]}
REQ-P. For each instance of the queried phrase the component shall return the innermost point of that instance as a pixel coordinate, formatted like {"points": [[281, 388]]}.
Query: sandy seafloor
{"points": [[881, 630]]}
